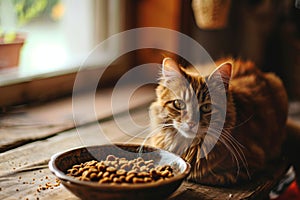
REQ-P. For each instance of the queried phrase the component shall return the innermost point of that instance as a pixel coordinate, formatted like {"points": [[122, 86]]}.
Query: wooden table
{"points": [[29, 136]]}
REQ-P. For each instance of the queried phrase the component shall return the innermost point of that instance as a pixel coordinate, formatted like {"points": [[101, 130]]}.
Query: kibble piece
{"points": [[111, 169], [93, 170], [85, 179], [137, 180], [111, 158], [112, 176], [104, 180], [144, 168], [93, 176], [123, 161], [100, 174], [85, 173], [76, 166], [80, 170], [116, 180], [106, 174], [154, 175], [122, 179], [136, 168], [150, 165], [101, 166], [140, 163], [126, 167], [147, 179], [121, 172], [129, 178], [159, 168], [143, 174], [164, 173]]}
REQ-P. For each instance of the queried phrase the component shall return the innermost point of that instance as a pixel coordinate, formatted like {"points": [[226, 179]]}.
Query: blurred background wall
{"points": [[264, 31]]}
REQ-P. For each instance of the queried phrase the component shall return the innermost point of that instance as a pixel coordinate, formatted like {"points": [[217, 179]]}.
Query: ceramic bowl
{"points": [[61, 162]]}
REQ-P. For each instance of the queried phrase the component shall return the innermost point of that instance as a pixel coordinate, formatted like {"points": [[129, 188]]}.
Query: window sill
{"points": [[17, 89]]}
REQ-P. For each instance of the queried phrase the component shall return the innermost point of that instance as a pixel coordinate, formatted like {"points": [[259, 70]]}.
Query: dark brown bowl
{"points": [[61, 162]]}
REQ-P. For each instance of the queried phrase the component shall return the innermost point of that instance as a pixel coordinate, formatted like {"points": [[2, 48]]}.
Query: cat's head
{"points": [[184, 98]]}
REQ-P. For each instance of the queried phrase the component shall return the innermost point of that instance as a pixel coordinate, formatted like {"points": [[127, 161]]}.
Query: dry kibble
{"points": [[106, 174], [85, 173], [150, 166], [126, 167], [132, 172], [93, 176], [100, 174], [144, 168], [129, 178], [101, 167], [147, 179], [115, 170], [143, 174], [121, 172], [111, 169], [112, 176], [122, 178], [104, 180], [111, 158], [76, 166], [137, 180], [116, 180]]}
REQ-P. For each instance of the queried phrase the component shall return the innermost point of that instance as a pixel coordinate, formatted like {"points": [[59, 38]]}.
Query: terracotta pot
{"points": [[10, 52]]}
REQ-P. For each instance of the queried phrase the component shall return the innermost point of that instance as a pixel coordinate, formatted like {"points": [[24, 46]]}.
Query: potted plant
{"points": [[23, 11], [10, 46]]}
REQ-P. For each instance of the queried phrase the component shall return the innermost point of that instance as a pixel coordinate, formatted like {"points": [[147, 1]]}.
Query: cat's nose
{"points": [[191, 124]]}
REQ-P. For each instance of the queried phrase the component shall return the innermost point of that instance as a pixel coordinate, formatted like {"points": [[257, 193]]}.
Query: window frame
{"points": [[17, 90]]}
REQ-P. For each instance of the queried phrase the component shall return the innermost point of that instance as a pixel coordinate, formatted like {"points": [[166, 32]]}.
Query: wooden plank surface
{"points": [[28, 124]]}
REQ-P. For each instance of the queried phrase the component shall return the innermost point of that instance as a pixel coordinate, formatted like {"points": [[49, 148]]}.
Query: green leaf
{"points": [[9, 37]]}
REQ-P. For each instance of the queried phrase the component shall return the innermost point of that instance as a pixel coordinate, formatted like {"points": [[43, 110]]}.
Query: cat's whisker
{"points": [[154, 131], [242, 157], [144, 131], [148, 136], [242, 123], [203, 149], [235, 150], [137, 135], [226, 134], [236, 143], [233, 153]]}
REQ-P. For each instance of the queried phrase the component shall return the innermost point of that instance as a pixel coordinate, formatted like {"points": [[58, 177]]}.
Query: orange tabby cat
{"points": [[187, 120]]}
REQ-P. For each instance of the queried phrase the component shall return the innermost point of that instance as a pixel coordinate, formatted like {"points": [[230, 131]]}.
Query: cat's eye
{"points": [[179, 104], [205, 108]]}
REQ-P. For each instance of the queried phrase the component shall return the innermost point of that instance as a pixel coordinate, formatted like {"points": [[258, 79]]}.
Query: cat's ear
{"points": [[224, 71], [170, 69]]}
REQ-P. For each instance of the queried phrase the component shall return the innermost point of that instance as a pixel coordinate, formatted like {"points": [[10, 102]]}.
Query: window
{"points": [[60, 37]]}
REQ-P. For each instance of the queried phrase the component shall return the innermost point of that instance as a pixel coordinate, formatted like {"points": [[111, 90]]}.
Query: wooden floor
{"points": [[29, 136]]}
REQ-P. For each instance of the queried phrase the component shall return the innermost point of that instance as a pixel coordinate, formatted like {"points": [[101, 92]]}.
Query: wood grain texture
{"points": [[38, 122]]}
